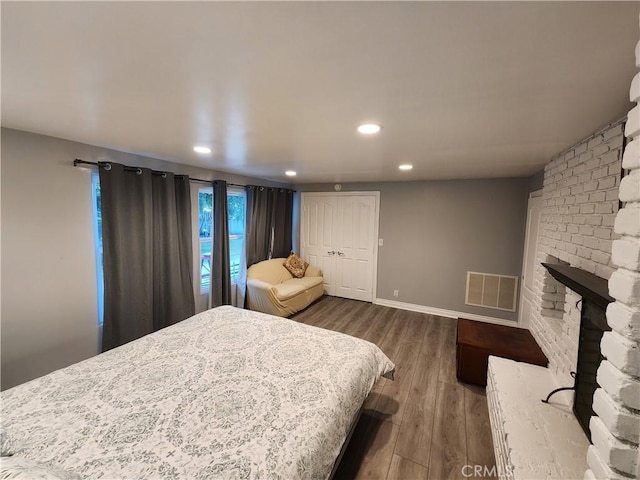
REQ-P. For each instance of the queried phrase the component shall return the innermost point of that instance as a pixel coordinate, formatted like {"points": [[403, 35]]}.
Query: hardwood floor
{"points": [[424, 424]]}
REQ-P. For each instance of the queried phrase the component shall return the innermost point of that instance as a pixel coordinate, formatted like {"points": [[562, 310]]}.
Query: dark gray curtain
{"points": [[146, 233], [282, 221], [220, 289], [259, 223]]}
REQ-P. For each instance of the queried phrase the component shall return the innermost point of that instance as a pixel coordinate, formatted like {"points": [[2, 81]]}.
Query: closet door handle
{"points": [[340, 253], [331, 252]]}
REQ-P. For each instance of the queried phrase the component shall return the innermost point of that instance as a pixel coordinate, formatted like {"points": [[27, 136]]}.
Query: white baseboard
{"points": [[444, 313]]}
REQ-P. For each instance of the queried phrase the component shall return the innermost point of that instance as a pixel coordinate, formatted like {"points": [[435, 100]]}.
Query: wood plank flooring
{"points": [[424, 424]]}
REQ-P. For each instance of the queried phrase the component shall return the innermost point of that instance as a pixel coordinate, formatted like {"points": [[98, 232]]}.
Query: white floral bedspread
{"points": [[228, 393]]}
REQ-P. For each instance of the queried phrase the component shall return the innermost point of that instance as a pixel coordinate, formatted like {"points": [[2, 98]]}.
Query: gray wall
{"points": [[436, 231], [49, 299]]}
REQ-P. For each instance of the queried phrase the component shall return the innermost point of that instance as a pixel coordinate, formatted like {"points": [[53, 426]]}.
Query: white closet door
{"points": [[354, 244], [339, 235], [317, 236]]}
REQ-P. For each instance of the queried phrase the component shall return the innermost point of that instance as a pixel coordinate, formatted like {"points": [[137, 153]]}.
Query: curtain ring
{"points": [[107, 166], [262, 189], [139, 171], [164, 175]]}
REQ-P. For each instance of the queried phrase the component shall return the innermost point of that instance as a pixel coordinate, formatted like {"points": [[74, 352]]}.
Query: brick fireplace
{"points": [[582, 227]]}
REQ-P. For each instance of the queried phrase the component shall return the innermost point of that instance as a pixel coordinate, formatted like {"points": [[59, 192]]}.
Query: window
{"points": [[97, 235], [236, 217], [236, 211], [205, 222]]}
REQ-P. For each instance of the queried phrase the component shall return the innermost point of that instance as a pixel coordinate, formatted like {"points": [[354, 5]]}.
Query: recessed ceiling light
{"points": [[201, 149], [405, 166], [369, 128], [290, 173]]}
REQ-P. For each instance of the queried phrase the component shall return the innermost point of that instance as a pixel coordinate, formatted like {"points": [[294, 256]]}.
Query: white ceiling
{"points": [[462, 89]]}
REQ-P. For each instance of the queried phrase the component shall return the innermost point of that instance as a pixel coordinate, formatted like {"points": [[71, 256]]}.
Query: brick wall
{"points": [[616, 430], [580, 202]]}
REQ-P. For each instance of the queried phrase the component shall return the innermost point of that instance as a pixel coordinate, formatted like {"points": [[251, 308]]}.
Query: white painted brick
{"points": [[600, 149], [600, 257], [624, 320], [595, 141], [621, 352], [631, 156], [632, 128], [553, 297], [612, 195], [614, 169], [605, 245], [624, 285], [610, 157], [634, 91], [614, 131], [590, 186], [589, 162], [612, 451], [622, 423], [551, 313], [601, 196], [581, 148], [604, 271], [593, 219], [603, 233], [599, 467], [600, 172], [621, 387], [604, 208], [588, 208], [589, 240], [588, 265], [628, 221], [625, 253], [630, 187]]}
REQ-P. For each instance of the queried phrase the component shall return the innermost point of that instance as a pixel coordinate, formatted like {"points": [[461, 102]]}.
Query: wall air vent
{"points": [[491, 291]]}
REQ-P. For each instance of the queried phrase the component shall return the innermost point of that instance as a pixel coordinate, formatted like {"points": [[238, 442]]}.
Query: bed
{"points": [[227, 393]]}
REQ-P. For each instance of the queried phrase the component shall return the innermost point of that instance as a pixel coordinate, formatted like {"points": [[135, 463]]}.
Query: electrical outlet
{"points": [[380, 242], [395, 293]]}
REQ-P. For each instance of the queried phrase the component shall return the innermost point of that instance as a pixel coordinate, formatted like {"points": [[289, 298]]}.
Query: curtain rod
{"points": [[77, 162]]}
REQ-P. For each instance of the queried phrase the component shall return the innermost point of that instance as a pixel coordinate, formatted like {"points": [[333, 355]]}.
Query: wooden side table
{"points": [[475, 341]]}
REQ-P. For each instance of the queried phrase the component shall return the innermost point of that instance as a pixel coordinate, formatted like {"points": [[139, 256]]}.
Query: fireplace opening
{"points": [[593, 324]]}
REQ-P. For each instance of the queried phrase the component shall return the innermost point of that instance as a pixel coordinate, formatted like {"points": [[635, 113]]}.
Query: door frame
{"points": [[376, 226], [527, 246]]}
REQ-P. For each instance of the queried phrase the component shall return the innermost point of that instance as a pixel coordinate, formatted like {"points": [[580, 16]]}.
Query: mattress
{"points": [[228, 393]]}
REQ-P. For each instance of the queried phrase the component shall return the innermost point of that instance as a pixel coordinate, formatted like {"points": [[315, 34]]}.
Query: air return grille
{"points": [[492, 291]]}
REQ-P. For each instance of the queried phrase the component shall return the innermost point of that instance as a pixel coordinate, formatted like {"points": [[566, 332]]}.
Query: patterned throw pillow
{"points": [[295, 265]]}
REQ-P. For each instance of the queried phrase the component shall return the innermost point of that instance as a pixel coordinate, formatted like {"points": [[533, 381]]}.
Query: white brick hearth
{"points": [[532, 440]]}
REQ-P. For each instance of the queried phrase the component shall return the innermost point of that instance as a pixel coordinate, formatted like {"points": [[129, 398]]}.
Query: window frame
{"points": [[204, 286], [96, 208], [238, 192]]}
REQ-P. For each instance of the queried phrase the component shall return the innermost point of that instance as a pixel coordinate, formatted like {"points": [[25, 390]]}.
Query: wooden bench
{"points": [[475, 341]]}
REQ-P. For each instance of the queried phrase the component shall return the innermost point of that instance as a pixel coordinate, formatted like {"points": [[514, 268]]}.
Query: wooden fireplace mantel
{"points": [[586, 284]]}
